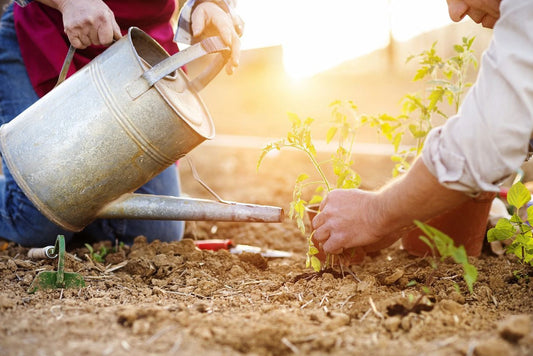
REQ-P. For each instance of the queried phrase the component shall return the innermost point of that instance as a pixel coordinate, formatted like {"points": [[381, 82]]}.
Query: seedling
{"points": [[439, 241], [446, 80], [99, 256], [516, 227], [343, 126]]}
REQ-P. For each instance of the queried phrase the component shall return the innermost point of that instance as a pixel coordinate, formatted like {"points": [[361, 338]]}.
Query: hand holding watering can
{"points": [[93, 23]]}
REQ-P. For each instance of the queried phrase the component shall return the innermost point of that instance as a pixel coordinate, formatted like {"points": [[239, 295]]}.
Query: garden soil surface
{"points": [[173, 299]]}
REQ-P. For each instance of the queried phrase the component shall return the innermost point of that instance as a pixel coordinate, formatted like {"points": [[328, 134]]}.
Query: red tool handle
{"points": [[214, 244], [503, 192]]}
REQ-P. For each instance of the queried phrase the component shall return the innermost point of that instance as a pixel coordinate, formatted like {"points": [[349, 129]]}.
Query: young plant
{"points": [[97, 256], [446, 80], [516, 227], [100, 255], [441, 242], [342, 131]]}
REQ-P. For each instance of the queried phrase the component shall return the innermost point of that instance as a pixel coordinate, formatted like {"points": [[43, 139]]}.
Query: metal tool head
{"points": [[263, 252], [59, 279]]}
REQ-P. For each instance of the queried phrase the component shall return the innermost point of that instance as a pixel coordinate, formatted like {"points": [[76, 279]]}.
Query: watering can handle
{"points": [[178, 60], [66, 65]]}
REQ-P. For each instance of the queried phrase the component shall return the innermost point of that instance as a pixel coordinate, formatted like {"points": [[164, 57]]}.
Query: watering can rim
{"points": [[161, 85]]}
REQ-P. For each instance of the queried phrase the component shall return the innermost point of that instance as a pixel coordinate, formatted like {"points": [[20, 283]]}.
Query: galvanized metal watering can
{"points": [[80, 151]]}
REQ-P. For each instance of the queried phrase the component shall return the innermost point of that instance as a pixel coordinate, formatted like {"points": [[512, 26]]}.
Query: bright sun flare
{"points": [[316, 35]]}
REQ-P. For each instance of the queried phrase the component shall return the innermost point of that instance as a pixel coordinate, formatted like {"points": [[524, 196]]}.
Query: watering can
{"points": [[80, 151]]}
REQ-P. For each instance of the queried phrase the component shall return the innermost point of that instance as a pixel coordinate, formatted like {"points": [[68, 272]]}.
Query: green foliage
{"points": [[341, 132], [516, 227], [97, 256], [446, 81], [438, 240]]}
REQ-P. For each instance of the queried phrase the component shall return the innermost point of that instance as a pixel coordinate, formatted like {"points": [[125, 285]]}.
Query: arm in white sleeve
{"points": [[488, 139]]}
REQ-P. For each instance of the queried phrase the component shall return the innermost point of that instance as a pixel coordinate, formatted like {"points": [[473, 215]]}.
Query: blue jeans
{"points": [[20, 221]]}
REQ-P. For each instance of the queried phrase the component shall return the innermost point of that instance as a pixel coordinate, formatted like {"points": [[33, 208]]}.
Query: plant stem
{"points": [[315, 164]]}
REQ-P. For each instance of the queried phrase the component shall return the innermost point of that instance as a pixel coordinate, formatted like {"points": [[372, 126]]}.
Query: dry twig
{"points": [[374, 309]]}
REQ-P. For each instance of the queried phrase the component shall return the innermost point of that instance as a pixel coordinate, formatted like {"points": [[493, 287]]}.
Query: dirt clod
{"points": [[515, 327]]}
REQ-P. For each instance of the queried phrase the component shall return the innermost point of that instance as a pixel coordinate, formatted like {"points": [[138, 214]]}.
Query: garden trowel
{"points": [[59, 279], [227, 244]]}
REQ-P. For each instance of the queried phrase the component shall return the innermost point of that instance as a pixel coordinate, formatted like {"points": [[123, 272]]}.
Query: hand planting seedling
{"points": [[446, 79], [343, 127]]}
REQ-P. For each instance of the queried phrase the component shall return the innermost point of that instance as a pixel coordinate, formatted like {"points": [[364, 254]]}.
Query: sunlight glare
{"points": [[412, 17], [327, 33], [318, 35]]}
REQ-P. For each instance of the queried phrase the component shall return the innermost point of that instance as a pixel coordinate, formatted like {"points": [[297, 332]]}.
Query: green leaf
{"points": [[302, 177], [315, 199], [397, 140], [421, 73], [299, 208], [458, 48], [502, 231], [518, 195], [470, 276], [294, 119], [313, 250], [316, 264], [90, 248], [459, 255], [426, 241], [331, 134]]}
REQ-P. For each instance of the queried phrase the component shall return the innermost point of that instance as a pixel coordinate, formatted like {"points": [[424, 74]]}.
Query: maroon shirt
{"points": [[44, 44]]}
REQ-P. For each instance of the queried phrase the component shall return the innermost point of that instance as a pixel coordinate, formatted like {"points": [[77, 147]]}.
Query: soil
{"points": [[171, 298]]}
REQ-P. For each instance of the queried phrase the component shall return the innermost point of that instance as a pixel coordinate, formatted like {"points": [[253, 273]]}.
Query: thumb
{"points": [[457, 9], [198, 22]]}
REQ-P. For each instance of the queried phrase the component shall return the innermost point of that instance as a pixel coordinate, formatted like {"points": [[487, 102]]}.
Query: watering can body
{"points": [[104, 132]]}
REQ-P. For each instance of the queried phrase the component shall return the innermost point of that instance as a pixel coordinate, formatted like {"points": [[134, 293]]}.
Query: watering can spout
{"points": [[157, 207]]}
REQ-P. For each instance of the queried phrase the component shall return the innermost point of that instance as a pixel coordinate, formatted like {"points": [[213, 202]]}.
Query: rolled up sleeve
{"points": [[488, 139], [23, 2]]}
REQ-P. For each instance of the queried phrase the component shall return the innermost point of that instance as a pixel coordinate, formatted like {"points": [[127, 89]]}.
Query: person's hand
{"points": [[348, 218], [209, 19], [485, 12], [87, 22]]}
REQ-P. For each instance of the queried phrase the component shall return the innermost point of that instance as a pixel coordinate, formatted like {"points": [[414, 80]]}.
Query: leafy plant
{"points": [[442, 243], [516, 227], [344, 123], [100, 255], [97, 256], [446, 81]]}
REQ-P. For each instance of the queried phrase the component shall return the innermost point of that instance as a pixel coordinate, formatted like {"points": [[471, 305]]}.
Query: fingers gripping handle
{"points": [[178, 60]]}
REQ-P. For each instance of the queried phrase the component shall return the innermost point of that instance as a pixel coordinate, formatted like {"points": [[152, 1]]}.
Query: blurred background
{"points": [[300, 55]]}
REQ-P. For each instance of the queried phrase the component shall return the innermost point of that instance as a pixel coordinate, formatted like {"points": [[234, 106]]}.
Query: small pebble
{"points": [[398, 273]]}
